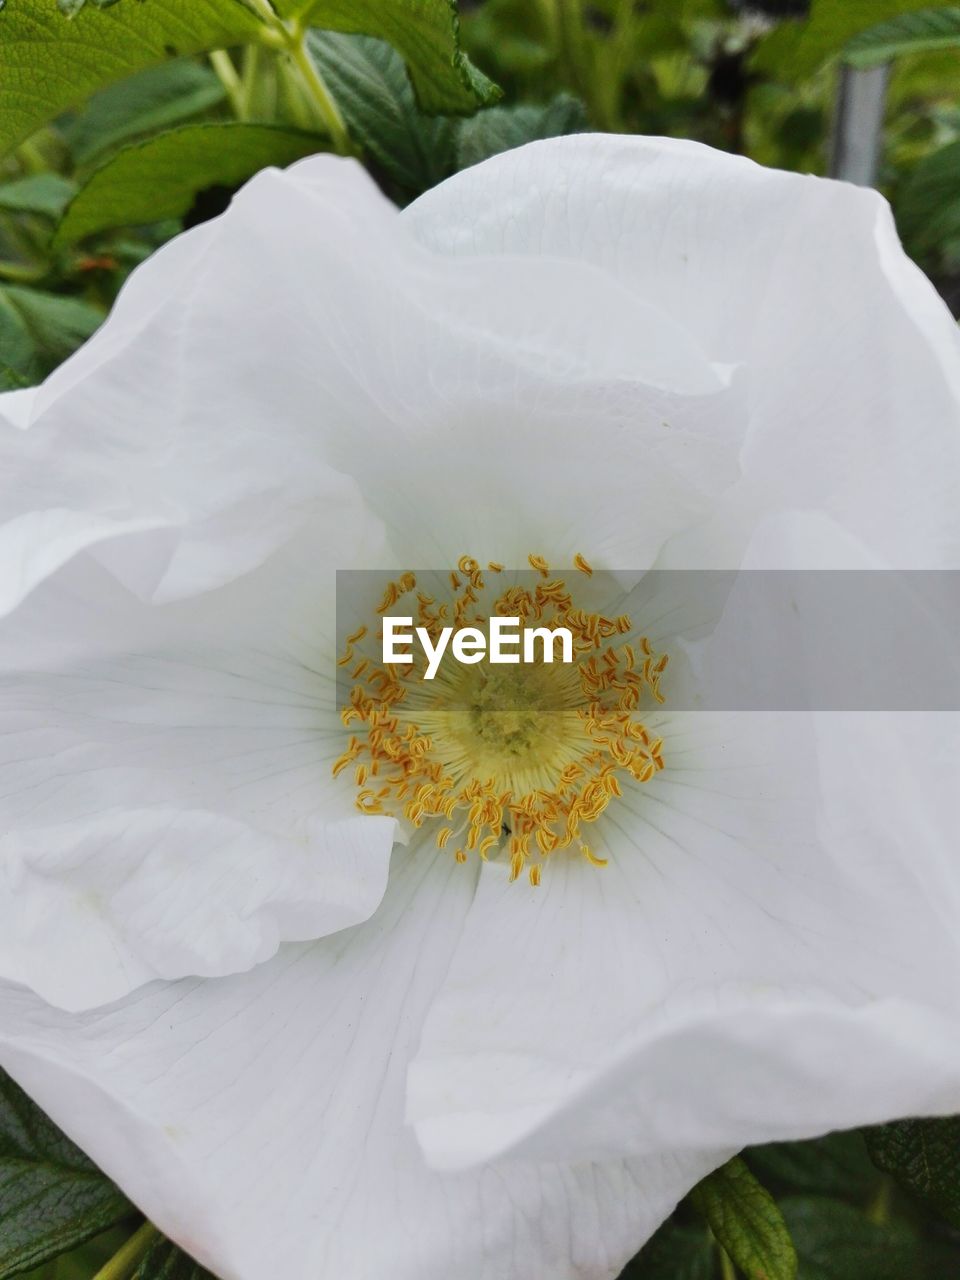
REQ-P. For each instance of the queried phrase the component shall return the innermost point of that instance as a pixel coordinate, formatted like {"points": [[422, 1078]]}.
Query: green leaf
{"points": [[39, 330], [835, 1165], [928, 204], [838, 1242], [10, 380], [746, 1221], [164, 1261], [51, 1197], [367, 77], [411, 150], [910, 33], [159, 178], [795, 50], [427, 35], [49, 62], [43, 193], [502, 128], [675, 1253], [155, 99], [924, 1157]]}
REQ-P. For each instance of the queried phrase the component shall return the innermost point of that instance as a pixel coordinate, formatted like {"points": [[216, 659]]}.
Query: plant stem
{"points": [[621, 40], [548, 19], [879, 1211], [568, 30], [320, 96], [264, 10], [127, 1257], [31, 158], [295, 96], [727, 1269], [290, 38], [222, 64]]}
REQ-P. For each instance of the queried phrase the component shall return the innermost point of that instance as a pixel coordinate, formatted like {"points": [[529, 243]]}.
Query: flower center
{"points": [[521, 757]]}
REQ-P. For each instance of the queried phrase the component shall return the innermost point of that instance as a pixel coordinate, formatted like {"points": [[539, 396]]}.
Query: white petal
{"points": [[16, 407], [258, 1119], [166, 800], [456, 393], [770, 954], [260, 370], [850, 361]]}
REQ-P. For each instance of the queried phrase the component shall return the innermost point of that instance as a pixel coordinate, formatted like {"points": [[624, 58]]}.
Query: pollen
{"points": [[508, 761]]}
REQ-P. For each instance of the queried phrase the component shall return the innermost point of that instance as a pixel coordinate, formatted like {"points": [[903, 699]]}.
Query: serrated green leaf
{"points": [[164, 1261], [838, 1242], [51, 1197], [795, 50], [367, 77], [746, 1221], [38, 330], [910, 33], [49, 62], [503, 128], [44, 193], [414, 151], [159, 178], [155, 99], [835, 1165], [675, 1253], [426, 33], [924, 1157], [928, 204]]}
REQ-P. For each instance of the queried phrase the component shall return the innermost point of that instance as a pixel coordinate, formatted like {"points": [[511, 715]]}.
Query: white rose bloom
{"points": [[312, 1040]]}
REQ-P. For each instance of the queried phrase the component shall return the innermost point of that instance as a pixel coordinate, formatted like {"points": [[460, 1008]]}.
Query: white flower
{"points": [[305, 1050]]}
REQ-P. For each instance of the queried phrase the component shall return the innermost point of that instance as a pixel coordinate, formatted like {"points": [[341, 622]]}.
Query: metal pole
{"points": [[858, 124]]}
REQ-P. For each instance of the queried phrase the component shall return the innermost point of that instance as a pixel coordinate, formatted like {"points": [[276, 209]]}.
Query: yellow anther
{"points": [[353, 750], [519, 762], [592, 858]]}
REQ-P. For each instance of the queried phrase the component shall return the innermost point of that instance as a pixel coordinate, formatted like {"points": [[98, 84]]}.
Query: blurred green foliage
{"points": [[847, 1219], [145, 141], [757, 78]]}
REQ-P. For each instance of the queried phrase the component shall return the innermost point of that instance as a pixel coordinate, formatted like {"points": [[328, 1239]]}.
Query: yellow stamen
{"points": [[516, 758]]}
